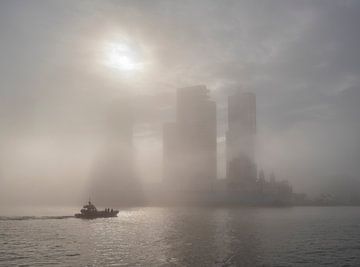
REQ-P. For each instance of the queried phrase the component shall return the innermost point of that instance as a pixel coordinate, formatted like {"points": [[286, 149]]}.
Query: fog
{"points": [[73, 112]]}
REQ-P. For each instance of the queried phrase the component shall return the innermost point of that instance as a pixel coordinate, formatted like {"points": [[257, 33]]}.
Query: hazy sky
{"points": [[63, 63]]}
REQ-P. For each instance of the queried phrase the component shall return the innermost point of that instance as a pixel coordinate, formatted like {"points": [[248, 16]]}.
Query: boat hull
{"points": [[99, 214]]}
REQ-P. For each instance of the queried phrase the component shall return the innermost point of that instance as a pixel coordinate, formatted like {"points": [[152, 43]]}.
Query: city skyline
{"points": [[63, 67], [190, 155], [179, 133]]}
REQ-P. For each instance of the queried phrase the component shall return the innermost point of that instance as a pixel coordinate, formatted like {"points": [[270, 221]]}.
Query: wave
{"points": [[24, 218]]}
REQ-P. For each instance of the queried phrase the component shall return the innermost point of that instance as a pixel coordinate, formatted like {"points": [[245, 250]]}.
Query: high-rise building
{"points": [[241, 170], [190, 142], [114, 180]]}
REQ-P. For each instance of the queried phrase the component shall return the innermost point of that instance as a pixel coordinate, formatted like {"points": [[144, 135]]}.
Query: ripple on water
{"points": [[186, 236]]}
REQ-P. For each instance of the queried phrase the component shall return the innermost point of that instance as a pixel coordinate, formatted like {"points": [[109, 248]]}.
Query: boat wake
{"points": [[25, 218]]}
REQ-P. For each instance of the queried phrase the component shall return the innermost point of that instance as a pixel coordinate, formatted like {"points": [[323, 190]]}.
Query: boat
{"points": [[89, 211]]}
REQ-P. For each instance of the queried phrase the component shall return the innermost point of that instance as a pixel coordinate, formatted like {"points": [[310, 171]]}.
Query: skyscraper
{"points": [[114, 180], [190, 142], [241, 170]]}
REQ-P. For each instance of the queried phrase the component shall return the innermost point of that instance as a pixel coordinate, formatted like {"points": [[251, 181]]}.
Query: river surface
{"points": [[154, 236]]}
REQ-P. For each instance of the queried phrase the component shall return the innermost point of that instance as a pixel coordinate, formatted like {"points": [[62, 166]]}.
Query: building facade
{"points": [[190, 143], [241, 169]]}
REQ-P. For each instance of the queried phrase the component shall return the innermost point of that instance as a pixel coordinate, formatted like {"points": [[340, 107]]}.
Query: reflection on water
{"points": [[187, 236]]}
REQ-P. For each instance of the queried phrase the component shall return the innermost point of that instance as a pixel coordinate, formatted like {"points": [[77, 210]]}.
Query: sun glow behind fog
{"points": [[123, 57]]}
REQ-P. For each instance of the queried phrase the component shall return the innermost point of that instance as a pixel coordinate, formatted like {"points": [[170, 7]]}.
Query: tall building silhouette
{"points": [[241, 170], [114, 180], [190, 142]]}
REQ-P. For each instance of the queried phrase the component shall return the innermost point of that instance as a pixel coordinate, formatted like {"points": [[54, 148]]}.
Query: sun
{"points": [[122, 57]]}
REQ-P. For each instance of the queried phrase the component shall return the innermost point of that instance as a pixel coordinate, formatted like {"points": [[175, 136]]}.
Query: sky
{"points": [[64, 64]]}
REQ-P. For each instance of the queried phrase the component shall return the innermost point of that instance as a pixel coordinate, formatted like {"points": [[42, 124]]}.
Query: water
{"points": [[299, 236]]}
